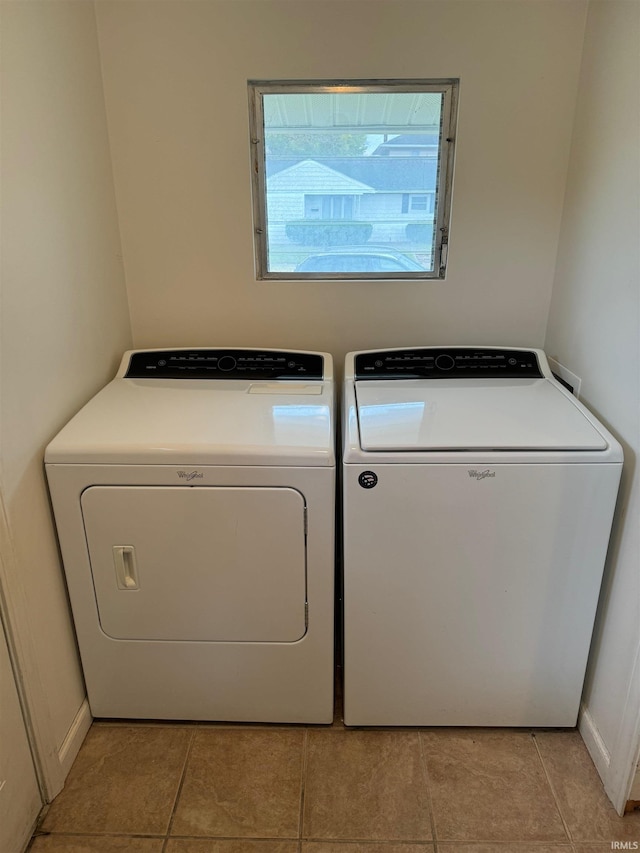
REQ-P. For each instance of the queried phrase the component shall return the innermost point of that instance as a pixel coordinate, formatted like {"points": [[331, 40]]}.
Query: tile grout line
{"points": [[303, 785], [425, 770], [179, 790], [552, 787]]}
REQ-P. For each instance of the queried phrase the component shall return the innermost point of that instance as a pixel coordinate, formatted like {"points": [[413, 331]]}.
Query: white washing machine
{"points": [[194, 499], [478, 501]]}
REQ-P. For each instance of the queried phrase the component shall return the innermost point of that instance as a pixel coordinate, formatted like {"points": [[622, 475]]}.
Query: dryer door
{"points": [[216, 564]]}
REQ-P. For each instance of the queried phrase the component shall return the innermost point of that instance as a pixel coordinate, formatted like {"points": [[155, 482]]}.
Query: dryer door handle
{"points": [[124, 560]]}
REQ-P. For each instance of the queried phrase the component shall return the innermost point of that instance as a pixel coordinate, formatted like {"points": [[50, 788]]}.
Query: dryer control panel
{"points": [[447, 363], [224, 364]]}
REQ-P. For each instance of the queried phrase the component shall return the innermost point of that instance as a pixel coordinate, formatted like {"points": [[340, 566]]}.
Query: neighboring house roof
{"points": [[315, 177], [407, 140], [383, 174]]}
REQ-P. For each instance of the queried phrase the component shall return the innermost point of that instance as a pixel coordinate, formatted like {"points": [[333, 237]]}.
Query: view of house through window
{"points": [[352, 180]]}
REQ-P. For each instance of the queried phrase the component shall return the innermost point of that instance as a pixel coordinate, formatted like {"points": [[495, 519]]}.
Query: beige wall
{"points": [[594, 330], [63, 312], [175, 77]]}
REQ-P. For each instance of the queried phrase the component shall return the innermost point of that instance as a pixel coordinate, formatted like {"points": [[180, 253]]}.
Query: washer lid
{"points": [[471, 414]]}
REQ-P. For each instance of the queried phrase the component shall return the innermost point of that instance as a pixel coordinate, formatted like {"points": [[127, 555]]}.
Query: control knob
{"points": [[227, 362], [445, 362]]}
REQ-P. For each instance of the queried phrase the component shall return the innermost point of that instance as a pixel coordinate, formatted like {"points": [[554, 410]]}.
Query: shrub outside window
{"points": [[352, 179]]}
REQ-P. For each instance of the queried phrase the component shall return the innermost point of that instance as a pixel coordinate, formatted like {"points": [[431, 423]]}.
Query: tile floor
{"points": [[224, 788]]}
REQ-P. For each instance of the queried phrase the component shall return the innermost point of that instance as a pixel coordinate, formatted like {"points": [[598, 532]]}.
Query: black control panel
{"points": [[224, 364], [446, 363]]}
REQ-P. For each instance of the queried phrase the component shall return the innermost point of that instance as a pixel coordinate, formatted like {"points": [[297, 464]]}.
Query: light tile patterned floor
{"points": [[207, 788]]}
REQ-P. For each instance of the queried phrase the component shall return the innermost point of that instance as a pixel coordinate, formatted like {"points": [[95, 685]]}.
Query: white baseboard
{"points": [[620, 768], [75, 738], [594, 743], [635, 787]]}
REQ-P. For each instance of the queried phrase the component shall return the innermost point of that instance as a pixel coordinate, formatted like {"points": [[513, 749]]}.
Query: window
{"points": [[329, 206], [352, 179], [418, 202]]}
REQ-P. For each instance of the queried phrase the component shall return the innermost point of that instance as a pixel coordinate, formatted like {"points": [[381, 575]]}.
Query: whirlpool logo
{"points": [[480, 475], [190, 475]]}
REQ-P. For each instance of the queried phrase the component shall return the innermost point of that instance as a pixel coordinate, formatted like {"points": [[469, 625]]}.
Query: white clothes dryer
{"points": [[194, 502], [478, 502]]}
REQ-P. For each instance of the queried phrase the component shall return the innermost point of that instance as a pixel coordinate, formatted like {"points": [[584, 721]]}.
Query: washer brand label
{"points": [[368, 479], [481, 475], [190, 475]]}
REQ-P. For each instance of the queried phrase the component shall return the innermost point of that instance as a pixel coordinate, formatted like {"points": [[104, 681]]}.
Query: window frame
{"points": [[449, 89]]}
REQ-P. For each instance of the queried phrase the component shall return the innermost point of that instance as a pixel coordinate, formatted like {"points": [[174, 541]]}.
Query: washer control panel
{"points": [[446, 363], [224, 364]]}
